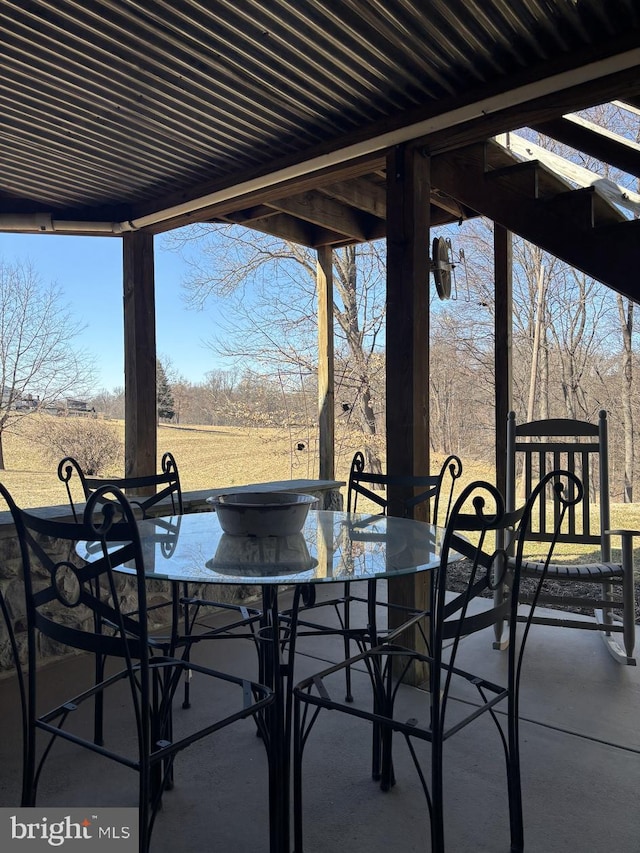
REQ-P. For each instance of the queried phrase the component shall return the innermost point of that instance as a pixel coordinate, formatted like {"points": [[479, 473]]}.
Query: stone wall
{"points": [[159, 594]]}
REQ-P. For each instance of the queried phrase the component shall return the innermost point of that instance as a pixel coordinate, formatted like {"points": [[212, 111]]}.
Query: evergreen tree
{"points": [[166, 405]]}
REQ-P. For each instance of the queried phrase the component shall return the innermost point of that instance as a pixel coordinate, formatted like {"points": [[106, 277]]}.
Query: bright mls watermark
{"points": [[36, 829]]}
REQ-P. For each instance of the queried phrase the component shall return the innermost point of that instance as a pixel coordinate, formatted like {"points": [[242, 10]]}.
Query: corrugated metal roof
{"points": [[111, 104]]}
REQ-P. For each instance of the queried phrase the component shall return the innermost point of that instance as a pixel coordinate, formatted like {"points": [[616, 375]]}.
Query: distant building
{"points": [[77, 405], [27, 402], [21, 402]]}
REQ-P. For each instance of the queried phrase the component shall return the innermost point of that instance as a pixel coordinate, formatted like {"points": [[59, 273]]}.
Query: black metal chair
{"points": [[438, 490], [417, 489], [476, 517], [149, 494], [580, 446], [78, 606], [144, 493]]}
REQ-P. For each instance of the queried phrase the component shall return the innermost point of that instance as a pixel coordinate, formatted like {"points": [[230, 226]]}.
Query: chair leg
{"points": [[501, 640], [604, 616], [98, 706], [502, 588], [378, 753], [29, 769], [143, 810], [629, 611], [382, 767], [376, 758], [387, 776], [514, 786], [186, 701], [347, 641], [437, 796], [297, 778]]}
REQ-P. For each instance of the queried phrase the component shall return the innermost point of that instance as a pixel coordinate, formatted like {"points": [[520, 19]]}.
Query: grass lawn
{"points": [[207, 457], [223, 456]]}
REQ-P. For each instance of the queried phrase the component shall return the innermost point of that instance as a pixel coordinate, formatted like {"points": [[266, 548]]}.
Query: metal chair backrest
{"points": [[418, 488], [77, 606], [534, 449], [165, 484], [56, 582], [477, 519]]}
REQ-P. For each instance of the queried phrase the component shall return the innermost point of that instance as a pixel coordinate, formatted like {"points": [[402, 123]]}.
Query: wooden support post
{"points": [[326, 391], [407, 351], [141, 441], [503, 266]]}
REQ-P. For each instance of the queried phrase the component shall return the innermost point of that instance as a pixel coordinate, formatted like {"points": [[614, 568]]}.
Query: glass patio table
{"points": [[332, 547]]}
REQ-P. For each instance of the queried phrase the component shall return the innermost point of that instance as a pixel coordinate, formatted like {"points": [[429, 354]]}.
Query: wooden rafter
{"points": [[573, 172], [319, 209], [596, 141]]}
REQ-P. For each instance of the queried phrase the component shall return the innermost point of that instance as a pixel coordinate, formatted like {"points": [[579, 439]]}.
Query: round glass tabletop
{"points": [[332, 546]]}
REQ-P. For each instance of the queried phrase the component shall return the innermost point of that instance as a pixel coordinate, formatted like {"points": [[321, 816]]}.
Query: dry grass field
{"points": [[217, 457], [213, 457], [206, 456]]}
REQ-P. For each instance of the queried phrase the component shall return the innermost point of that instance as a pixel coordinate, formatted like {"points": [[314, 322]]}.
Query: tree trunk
{"points": [[536, 343], [350, 324], [626, 326], [368, 421], [1, 453], [544, 381]]}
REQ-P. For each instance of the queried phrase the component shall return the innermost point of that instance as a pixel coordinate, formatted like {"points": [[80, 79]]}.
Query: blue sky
{"points": [[88, 271]]}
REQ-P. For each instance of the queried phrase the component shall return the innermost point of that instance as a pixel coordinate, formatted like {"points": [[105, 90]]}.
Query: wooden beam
{"points": [[361, 193], [448, 205], [583, 135], [503, 366], [572, 172], [283, 226], [503, 355], [141, 439], [622, 84], [407, 352], [371, 197], [294, 186], [248, 215], [287, 227], [326, 391], [317, 208], [325, 237]]}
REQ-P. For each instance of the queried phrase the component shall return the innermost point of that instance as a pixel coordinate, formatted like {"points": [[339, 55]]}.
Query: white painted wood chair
{"points": [[581, 447]]}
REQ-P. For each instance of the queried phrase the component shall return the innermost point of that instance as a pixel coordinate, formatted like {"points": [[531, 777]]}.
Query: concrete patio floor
{"points": [[580, 742]]}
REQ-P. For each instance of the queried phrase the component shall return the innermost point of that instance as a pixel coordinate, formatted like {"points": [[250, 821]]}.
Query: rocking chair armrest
{"points": [[624, 533], [626, 543]]}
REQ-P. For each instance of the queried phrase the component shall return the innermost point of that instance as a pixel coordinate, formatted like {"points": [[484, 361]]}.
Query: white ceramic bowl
{"points": [[262, 513]]}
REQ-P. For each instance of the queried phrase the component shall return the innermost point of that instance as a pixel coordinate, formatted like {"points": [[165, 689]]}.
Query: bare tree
{"points": [[38, 364], [563, 325], [218, 394], [266, 289], [580, 312], [625, 310], [109, 403]]}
